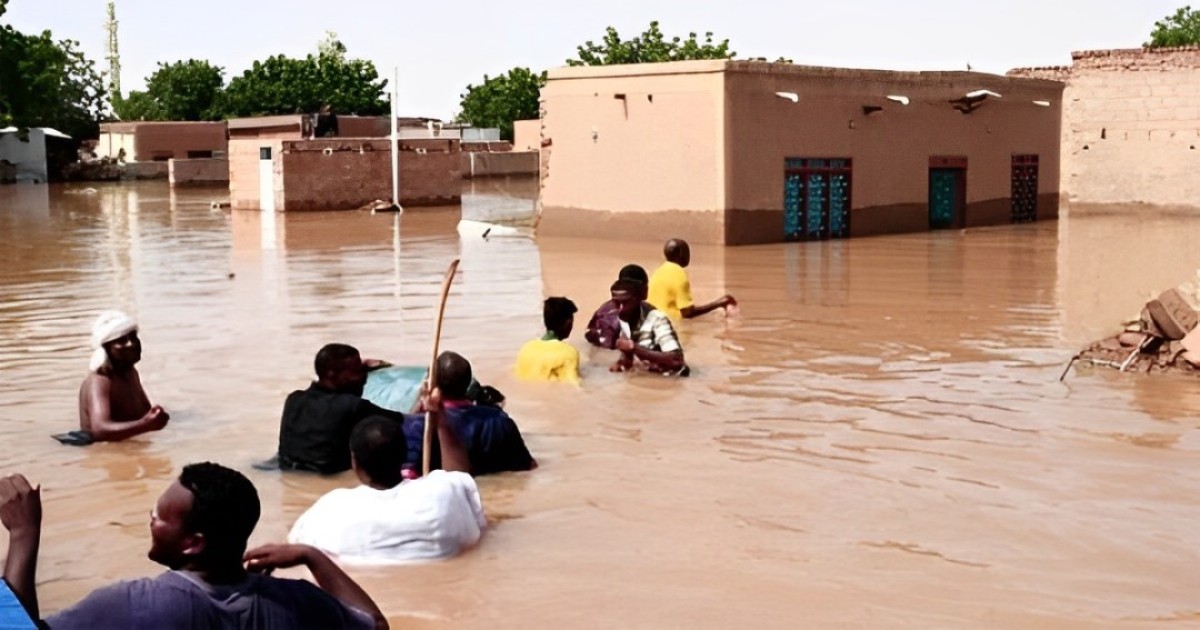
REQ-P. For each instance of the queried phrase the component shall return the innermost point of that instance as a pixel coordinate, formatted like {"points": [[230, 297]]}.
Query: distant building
{"points": [[23, 155], [1131, 125], [159, 141], [276, 165], [739, 152]]}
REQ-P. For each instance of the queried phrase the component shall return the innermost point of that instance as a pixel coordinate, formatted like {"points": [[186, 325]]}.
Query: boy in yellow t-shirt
{"points": [[551, 358], [671, 290]]}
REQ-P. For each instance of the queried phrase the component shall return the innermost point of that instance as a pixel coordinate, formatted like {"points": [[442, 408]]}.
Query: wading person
{"points": [[551, 358], [671, 289], [198, 530], [490, 438], [604, 328], [388, 519], [112, 403], [314, 430], [647, 336]]}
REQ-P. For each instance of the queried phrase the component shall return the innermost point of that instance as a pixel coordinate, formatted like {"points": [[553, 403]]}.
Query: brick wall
{"points": [[1131, 125], [198, 172], [501, 145], [479, 164], [342, 174]]}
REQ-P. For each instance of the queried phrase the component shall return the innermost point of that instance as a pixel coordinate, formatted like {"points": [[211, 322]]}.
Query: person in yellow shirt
{"points": [[671, 290], [551, 358]]}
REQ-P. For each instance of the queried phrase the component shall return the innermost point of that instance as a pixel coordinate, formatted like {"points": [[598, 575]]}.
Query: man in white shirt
{"points": [[388, 520]]}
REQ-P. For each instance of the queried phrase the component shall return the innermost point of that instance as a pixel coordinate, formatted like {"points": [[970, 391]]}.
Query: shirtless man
{"points": [[112, 404]]}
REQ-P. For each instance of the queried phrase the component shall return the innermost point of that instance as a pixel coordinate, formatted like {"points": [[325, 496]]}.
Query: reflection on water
{"points": [[880, 440]]}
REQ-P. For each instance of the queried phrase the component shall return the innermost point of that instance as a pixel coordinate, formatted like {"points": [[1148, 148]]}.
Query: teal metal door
{"points": [[816, 199], [946, 197]]}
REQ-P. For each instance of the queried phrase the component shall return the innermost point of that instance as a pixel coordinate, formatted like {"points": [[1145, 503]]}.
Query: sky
{"points": [[438, 49]]}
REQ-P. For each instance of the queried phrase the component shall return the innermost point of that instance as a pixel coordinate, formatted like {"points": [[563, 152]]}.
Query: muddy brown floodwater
{"points": [[880, 440]]}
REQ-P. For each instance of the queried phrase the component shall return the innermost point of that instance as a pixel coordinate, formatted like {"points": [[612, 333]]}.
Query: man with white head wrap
{"points": [[113, 405]]}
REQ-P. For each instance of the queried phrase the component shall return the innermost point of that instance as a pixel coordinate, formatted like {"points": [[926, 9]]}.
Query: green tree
{"points": [[498, 101], [48, 83], [283, 85], [649, 47], [184, 90], [1181, 29]]}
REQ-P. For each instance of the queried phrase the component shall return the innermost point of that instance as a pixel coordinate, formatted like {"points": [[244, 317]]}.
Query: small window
{"points": [[264, 153], [193, 155]]}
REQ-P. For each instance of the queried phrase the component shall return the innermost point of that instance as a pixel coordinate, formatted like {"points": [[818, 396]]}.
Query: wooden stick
{"points": [[427, 442]]}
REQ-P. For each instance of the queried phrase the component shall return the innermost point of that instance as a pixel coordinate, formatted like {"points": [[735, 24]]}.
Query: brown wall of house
{"points": [[702, 146], [890, 149], [165, 140], [1131, 128], [623, 143]]}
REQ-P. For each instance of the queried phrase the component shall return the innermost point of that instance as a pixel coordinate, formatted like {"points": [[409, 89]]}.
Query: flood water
{"points": [[880, 440]]}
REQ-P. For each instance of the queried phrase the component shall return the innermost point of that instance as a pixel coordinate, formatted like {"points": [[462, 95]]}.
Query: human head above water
{"points": [[115, 342], [339, 367], [204, 519], [676, 250], [377, 448], [627, 295], [558, 314], [637, 274], [453, 375]]}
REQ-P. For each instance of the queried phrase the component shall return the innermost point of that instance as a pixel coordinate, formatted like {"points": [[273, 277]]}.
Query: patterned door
{"points": [[1024, 188], [816, 199], [943, 198]]}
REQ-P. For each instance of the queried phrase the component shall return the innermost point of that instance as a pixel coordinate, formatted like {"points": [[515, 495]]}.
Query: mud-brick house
{"points": [[740, 152]]}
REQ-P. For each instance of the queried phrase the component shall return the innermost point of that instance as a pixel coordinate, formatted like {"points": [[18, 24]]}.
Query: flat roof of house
{"points": [[132, 125], [780, 69]]}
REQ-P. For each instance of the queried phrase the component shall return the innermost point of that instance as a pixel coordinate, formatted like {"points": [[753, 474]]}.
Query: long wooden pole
{"points": [[427, 442]]}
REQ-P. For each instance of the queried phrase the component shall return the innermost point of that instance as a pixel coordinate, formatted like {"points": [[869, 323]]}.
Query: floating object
{"points": [[982, 94], [903, 100], [483, 229], [1042, 103], [789, 96], [217, 205], [74, 438]]}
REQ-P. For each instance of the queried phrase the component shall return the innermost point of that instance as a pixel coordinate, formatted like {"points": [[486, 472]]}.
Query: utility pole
{"points": [[114, 56]]}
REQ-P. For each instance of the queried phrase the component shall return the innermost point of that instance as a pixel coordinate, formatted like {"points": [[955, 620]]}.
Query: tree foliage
{"points": [[649, 47], [283, 85], [184, 90], [1181, 29], [498, 101], [48, 83]]}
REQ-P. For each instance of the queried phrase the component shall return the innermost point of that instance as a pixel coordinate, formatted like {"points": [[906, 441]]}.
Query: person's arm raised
{"points": [[21, 515], [331, 578], [454, 456], [102, 426]]}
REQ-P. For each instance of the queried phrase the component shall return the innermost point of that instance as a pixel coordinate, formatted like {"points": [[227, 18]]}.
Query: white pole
{"points": [[395, 142]]}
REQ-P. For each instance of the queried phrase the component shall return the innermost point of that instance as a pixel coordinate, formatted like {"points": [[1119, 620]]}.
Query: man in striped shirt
{"points": [[646, 333]]}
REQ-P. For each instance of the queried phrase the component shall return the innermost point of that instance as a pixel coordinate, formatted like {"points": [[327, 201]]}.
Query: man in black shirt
{"points": [[314, 433]]}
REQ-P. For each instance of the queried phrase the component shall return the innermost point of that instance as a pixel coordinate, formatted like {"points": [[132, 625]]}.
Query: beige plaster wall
{"points": [[527, 135], [198, 172], [890, 148], [111, 143], [243, 171], [610, 162]]}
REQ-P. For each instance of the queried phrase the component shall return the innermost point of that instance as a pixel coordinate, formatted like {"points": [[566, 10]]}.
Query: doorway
{"points": [[947, 193]]}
